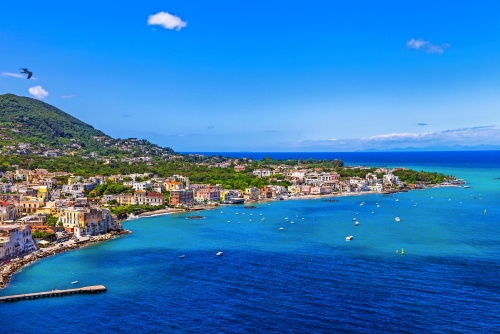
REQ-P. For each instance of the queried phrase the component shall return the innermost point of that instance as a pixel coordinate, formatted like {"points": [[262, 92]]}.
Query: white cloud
{"points": [[38, 92], [15, 75], [481, 135], [167, 21], [68, 96], [426, 46]]}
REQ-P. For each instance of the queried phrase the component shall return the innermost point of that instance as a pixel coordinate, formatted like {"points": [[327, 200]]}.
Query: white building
{"points": [[14, 240]]}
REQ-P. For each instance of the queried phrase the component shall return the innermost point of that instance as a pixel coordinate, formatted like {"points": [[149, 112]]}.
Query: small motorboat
{"points": [[228, 221], [74, 282], [354, 219], [219, 253], [281, 228], [349, 238], [378, 206], [182, 256], [397, 219], [356, 223], [291, 222], [397, 199]]}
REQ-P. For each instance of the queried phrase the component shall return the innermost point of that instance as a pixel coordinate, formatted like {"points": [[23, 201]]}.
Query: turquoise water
{"points": [[304, 278]]}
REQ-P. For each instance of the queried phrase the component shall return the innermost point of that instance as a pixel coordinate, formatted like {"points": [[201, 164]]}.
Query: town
{"points": [[40, 209]]}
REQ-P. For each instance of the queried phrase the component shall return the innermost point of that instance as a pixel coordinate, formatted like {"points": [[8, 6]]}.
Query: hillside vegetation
{"points": [[40, 127]]}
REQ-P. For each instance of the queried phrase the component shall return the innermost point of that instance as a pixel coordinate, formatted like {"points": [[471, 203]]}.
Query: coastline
{"points": [[9, 269]]}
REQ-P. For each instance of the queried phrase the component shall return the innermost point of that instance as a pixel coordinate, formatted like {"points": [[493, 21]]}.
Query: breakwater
{"points": [[9, 269]]}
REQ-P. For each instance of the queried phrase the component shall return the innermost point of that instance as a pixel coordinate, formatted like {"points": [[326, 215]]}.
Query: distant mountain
{"points": [[32, 126]]}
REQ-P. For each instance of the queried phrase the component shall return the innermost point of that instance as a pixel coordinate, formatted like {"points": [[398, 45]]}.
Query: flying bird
{"points": [[25, 70]]}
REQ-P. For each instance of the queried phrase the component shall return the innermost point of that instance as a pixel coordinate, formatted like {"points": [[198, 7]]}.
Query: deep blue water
{"points": [[445, 157], [303, 279]]}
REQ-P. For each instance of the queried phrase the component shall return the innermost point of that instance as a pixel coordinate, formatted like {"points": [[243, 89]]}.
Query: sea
{"points": [[287, 267]]}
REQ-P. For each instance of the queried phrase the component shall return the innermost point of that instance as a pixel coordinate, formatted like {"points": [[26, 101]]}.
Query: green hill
{"points": [[31, 126]]}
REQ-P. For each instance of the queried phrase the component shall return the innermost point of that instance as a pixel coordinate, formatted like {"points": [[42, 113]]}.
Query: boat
{"points": [[356, 223], [228, 221], [74, 282], [373, 212], [281, 228], [291, 223], [378, 206], [219, 254], [349, 238], [402, 251], [397, 199], [182, 256], [397, 219], [354, 219]]}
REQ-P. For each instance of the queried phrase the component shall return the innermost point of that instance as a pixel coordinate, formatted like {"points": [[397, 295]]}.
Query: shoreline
{"points": [[267, 200], [11, 268]]}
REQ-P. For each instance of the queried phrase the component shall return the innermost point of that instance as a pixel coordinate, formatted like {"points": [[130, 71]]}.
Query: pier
{"points": [[54, 293]]}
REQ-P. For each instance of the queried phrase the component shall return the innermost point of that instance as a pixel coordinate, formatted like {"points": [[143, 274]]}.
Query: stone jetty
{"points": [[9, 269]]}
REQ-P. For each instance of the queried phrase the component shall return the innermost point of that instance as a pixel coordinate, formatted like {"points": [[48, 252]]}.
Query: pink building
{"points": [[208, 195]]}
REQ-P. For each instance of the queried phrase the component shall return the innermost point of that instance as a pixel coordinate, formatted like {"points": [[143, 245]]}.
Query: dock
{"points": [[54, 293]]}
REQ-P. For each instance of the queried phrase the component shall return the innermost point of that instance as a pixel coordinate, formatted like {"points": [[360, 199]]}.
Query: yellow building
{"points": [[30, 204]]}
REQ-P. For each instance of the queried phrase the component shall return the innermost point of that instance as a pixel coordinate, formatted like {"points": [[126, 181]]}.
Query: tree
{"points": [[51, 220]]}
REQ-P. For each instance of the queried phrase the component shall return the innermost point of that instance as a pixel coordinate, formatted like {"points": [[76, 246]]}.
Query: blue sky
{"points": [[256, 76]]}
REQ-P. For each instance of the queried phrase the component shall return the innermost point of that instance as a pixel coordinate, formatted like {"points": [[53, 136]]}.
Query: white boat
{"points": [[228, 221], [373, 212], [182, 256], [397, 219], [354, 219], [378, 206], [281, 228], [349, 238], [291, 223], [397, 200], [219, 254], [356, 223], [74, 282]]}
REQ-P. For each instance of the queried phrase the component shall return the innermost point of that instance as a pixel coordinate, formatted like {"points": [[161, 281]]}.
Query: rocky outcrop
{"points": [[9, 269]]}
